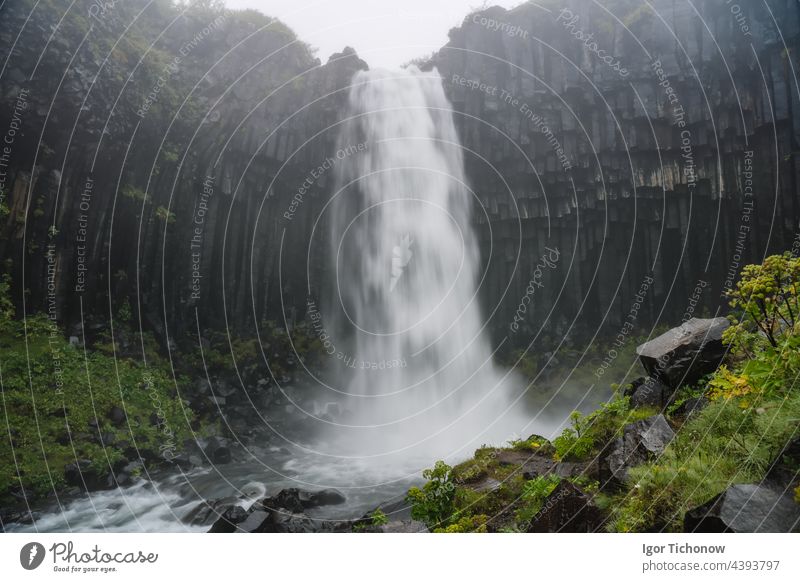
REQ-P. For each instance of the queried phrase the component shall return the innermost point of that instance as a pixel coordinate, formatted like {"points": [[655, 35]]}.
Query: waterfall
{"points": [[412, 355]]}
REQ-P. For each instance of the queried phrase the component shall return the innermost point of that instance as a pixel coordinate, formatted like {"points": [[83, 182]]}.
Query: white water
{"points": [[407, 273]]}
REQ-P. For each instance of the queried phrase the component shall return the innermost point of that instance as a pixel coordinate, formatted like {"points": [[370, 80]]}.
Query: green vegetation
{"points": [[534, 493], [766, 301], [375, 518], [752, 412], [57, 401], [433, 504], [590, 433]]}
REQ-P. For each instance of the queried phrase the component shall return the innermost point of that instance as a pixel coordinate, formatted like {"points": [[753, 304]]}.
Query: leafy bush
{"points": [[376, 518], [592, 432], [466, 524], [433, 504], [767, 301], [753, 411]]}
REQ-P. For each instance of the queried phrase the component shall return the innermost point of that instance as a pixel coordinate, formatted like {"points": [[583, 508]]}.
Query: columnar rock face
{"points": [[637, 167], [164, 171], [171, 185]]}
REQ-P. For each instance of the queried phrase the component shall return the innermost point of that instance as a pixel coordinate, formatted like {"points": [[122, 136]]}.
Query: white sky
{"points": [[385, 33]]}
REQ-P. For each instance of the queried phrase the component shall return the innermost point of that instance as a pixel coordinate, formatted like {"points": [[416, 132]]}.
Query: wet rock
{"points": [[23, 516], [187, 461], [745, 509], [692, 406], [218, 450], [326, 497], [686, 353], [224, 389], [298, 500], [291, 499], [785, 469], [229, 520], [641, 441], [567, 509], [649, 391], [108, 439], [405, 526], [117, 416], [207, 510], [254, 522], [84, 475]]}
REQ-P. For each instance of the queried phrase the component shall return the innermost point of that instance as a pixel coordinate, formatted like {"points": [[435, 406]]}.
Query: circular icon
{"points": [[31, 555]]}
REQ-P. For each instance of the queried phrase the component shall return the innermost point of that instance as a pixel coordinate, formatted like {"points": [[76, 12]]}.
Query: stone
{"points": [[204, 511], [686, 353], [108, 439], [785, 469], [397, 526], [641, 441], [297, 500], [692, 406], [291, 499], [84, 475], [117, 416], [229, 520], [218, 450], [567, 509], [326, 497], [751, 508], [649, 391], [254, 522]]}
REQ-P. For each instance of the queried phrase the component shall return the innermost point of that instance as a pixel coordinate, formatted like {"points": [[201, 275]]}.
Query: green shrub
{"points": [[433, 504], [466, 524], [766, 300], [534, 494], [56, 400], [590, 433]]}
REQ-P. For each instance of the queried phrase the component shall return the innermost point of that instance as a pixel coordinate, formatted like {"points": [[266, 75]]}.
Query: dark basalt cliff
{"points": [[679, 154], [657, 172]]}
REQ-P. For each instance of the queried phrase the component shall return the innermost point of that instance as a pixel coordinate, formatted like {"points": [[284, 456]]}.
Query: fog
{"points": [[385, 34]]}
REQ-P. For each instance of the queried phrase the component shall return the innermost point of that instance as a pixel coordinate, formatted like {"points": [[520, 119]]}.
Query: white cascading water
{"points": [[417, 365], [413, 362]]}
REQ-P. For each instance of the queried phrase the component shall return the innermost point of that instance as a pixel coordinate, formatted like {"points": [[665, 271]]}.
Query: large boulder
{"points": [[298, 500], [640, 442], [261, 519], [567, 509], [745, 509], [685, 353]]}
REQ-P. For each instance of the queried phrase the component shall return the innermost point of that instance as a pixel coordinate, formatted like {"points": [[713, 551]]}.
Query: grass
{"points": [[57, 400]]}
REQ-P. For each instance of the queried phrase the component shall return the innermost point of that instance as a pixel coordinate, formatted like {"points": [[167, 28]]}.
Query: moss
{"points": [[56, 401]]}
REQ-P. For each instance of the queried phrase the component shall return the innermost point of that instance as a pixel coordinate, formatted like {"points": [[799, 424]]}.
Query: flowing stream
{"points": [[413, 378]]}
